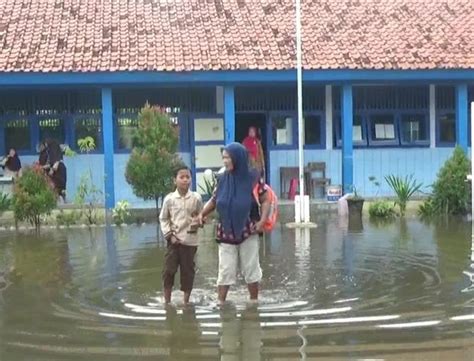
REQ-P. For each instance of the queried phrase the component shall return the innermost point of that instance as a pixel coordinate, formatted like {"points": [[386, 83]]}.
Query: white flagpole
{"points": [[299, 80]]}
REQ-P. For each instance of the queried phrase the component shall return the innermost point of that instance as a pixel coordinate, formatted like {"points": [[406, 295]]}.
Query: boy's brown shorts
{"points": [[178, 255]]}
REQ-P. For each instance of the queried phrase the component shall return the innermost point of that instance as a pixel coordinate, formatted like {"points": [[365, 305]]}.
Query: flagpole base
{"points": [[294, 225]]}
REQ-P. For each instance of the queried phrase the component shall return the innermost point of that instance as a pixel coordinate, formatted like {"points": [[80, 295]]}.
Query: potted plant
{"points": [[355, 204]]}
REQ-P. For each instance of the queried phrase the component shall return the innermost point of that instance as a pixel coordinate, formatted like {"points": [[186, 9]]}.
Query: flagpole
{"points": [[299, 81]]}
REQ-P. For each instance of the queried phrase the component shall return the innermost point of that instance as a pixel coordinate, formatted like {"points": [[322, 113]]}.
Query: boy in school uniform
{"points": [[178, 220]]}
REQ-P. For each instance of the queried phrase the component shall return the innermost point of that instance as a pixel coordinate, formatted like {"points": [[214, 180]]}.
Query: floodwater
{"points": [[399, 291]]}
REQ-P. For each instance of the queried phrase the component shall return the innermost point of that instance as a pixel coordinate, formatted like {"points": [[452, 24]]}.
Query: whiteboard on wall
{"points": [[208, 129]]}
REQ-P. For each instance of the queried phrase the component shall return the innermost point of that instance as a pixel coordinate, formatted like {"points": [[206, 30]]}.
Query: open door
{"points": [[208, 136]]}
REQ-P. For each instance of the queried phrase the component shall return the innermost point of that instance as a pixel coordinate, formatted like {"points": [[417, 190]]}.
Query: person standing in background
{"points": [[254, 147]]}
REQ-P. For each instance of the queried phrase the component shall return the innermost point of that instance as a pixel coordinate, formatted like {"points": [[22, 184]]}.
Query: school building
{"points": [[387, 85]]}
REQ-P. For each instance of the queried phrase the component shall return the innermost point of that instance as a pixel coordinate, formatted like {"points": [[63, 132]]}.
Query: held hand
{"points": [[174, 240], [201, 219], [259, 227]]}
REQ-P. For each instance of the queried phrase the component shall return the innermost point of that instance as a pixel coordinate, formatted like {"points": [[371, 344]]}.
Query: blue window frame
{"points": [[470, 100], [282, 131], [125, 126], [314, 130], [87, 125], [359, 130], [414, 128], [445, 116], [127, 123], [17, 133], [446, 128], [52, 126], [382, 128]]}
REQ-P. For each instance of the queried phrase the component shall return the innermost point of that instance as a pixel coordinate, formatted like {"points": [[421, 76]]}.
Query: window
{"points": [[52, 128], [358, 133], [17, 134], [413, 128], [126, 126], [312, 130], [282, 130], [88, 127], [447, 128], [383, 130], [382, 127]]}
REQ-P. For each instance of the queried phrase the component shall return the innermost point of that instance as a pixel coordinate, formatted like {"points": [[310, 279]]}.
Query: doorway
{"points": [[243, 121]]}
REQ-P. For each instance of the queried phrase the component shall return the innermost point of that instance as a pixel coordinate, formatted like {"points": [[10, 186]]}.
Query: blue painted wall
{"points": [[423, 163], [79, 164]]}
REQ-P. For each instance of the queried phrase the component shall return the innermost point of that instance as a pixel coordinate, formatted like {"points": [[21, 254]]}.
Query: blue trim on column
{"points": [[461, 116], [347, 148], [108, 144], [229, 114], [2, 137]]}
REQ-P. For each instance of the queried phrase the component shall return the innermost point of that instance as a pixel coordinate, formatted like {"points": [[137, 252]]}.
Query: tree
{"points": [[154, 155]]}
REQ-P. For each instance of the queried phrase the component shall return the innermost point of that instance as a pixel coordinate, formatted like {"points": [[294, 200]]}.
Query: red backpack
{"points": [[273, 215]]}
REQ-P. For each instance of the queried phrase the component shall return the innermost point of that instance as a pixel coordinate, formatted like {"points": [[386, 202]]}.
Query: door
{"points": [[208, 137]]}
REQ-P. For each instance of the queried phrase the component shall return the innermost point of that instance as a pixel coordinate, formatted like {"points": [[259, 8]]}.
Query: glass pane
{"points": [[126, 126], [413, 128], [88, 127], [383, 127], [312, 130], [282, 130], [447, 128], [52, 128], [17, 134], [357, 130], [357, 133]]}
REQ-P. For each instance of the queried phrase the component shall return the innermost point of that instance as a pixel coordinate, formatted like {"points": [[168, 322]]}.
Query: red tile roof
{"points": [[185, 35]]}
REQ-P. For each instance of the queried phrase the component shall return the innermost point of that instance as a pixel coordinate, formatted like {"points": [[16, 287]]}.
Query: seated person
{"points": [[11, 164]]}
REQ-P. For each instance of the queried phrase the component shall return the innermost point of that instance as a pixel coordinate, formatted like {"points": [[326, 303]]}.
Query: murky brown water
{"points": [[402, 291]]}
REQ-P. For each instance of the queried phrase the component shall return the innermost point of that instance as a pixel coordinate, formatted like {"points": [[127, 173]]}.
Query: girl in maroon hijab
{"points": [[255, 150]]}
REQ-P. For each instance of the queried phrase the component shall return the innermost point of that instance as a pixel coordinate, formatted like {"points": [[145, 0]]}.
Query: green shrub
{"points": [[88, 195], [33, 197], [404, 189], [87, 198], [426, 209], [382, 209], [67, 218], [5, 202], [121, 213], [451, 193]]}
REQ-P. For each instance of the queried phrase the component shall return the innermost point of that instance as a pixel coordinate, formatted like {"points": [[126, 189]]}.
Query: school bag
{"points": [[273, 214]]}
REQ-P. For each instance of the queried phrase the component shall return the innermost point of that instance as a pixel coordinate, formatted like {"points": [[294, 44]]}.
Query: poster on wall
{"points": [[281, 136]]}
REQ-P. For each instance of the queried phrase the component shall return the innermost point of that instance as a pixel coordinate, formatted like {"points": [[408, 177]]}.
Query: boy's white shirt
{"points": [[176, 216]]}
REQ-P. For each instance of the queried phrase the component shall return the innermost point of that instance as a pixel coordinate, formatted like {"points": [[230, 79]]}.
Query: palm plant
{"points": [[404, 189], [209, 185]]}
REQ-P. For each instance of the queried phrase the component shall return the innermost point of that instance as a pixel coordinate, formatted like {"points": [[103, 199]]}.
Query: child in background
{"points": [[178, 220]]}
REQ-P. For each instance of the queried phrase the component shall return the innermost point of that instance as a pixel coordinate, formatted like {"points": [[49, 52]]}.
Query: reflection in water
{"points": [[340, 291]]}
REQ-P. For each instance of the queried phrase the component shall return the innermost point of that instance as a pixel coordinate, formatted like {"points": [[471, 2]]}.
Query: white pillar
{"points": [[329, 120], [432, 104], [219, 99]]}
